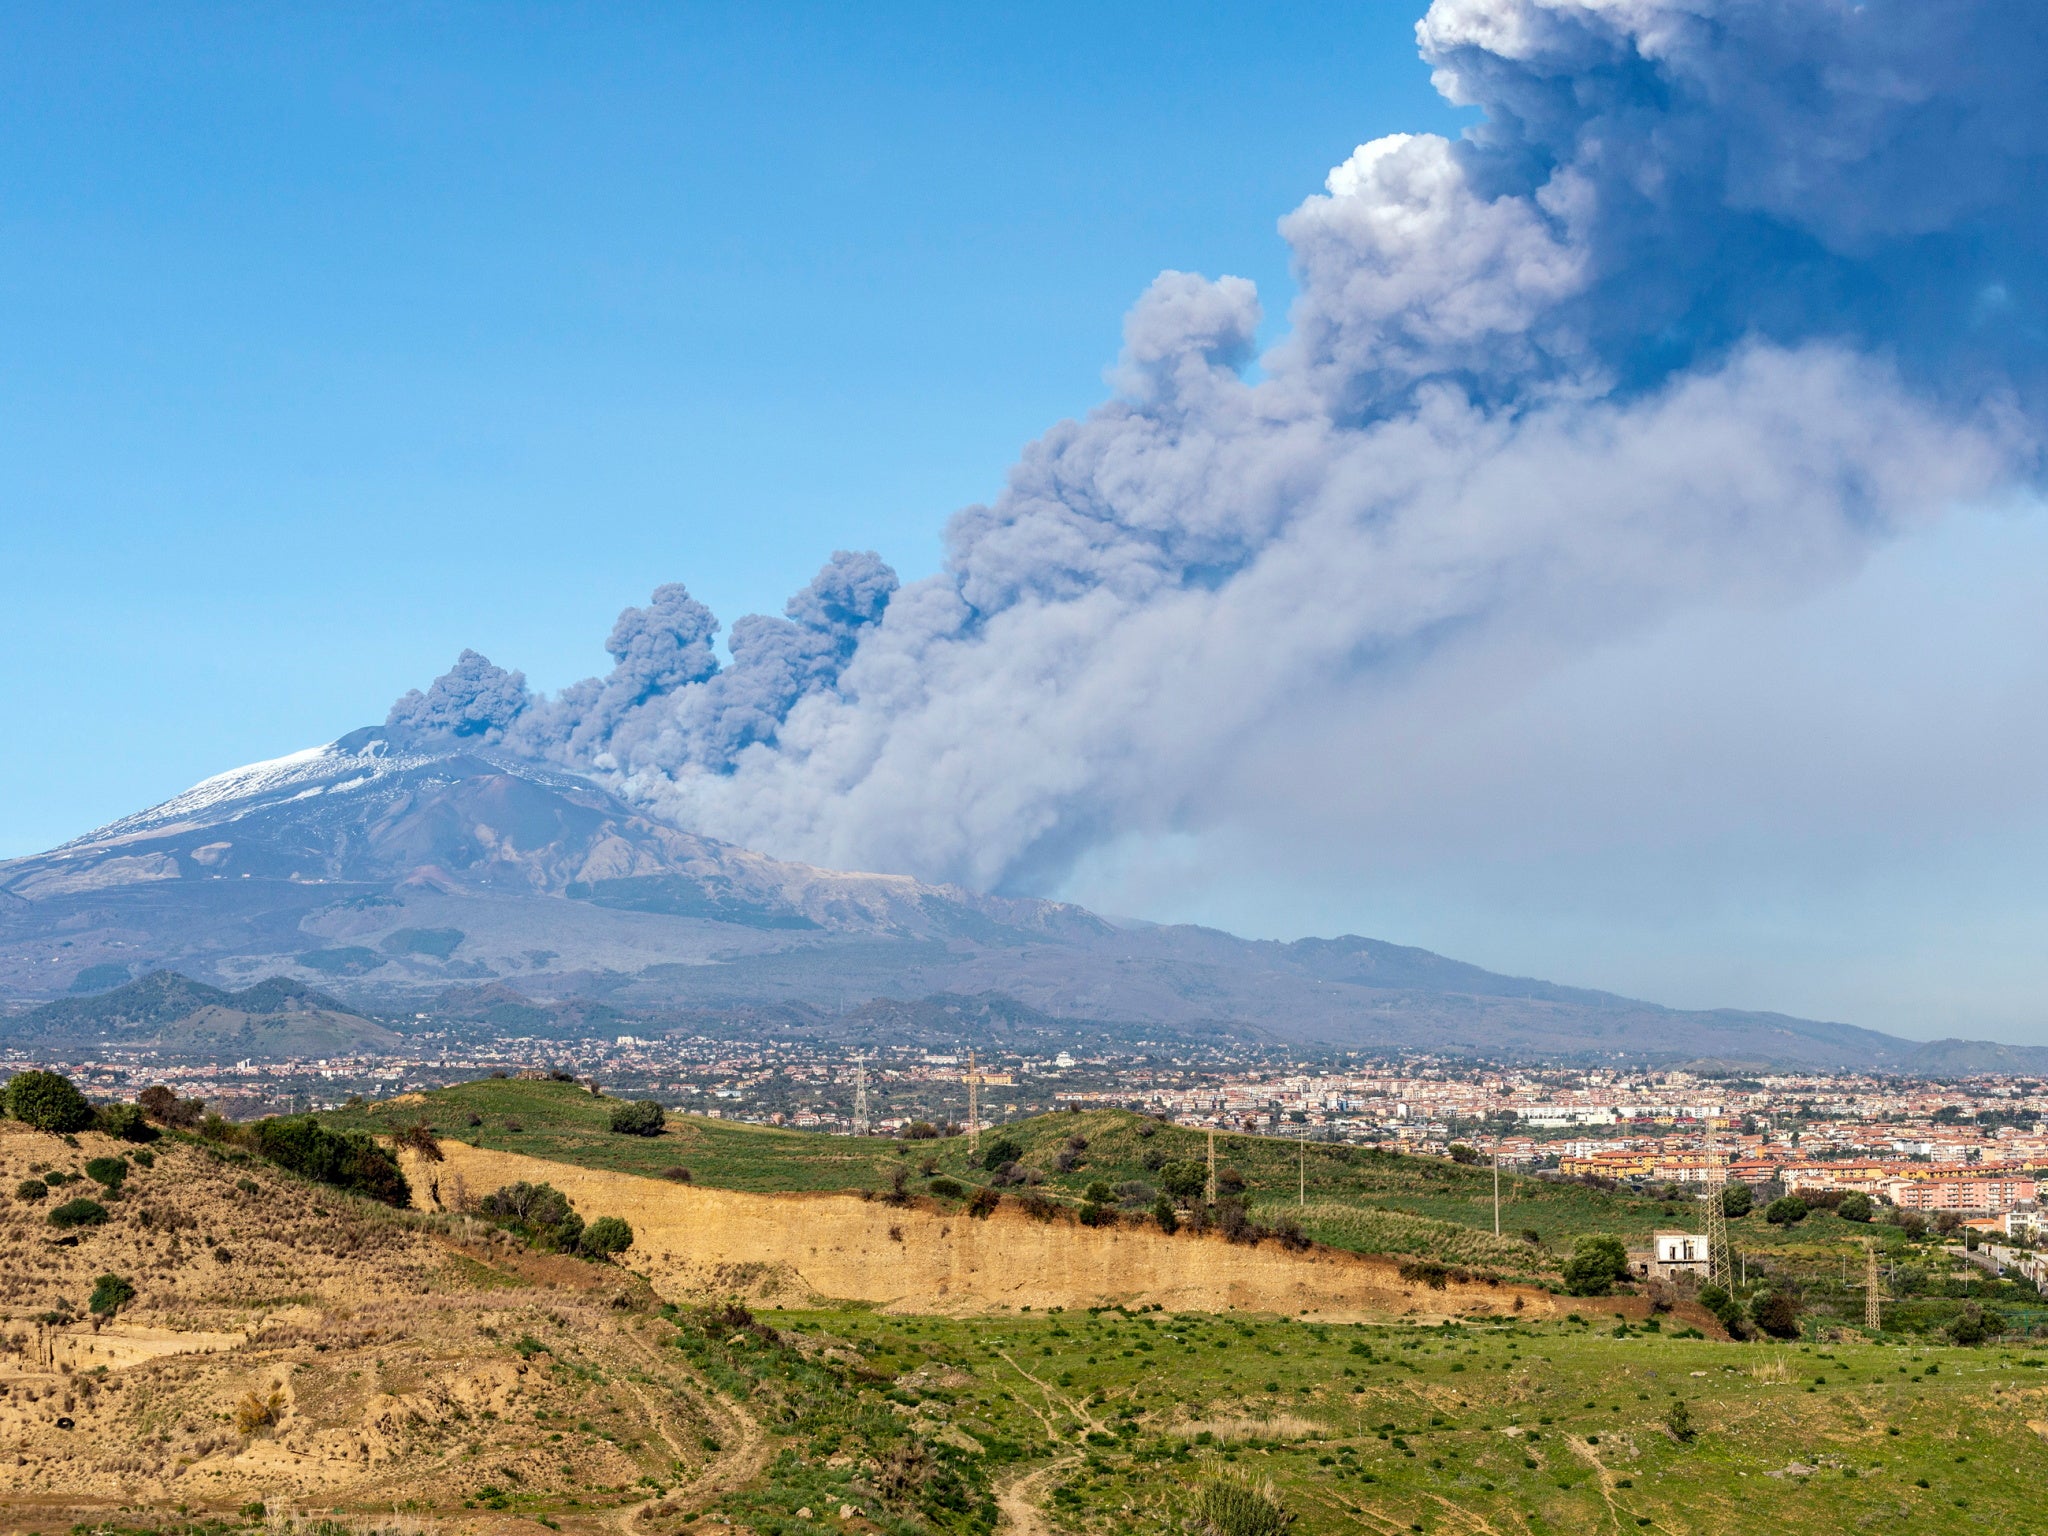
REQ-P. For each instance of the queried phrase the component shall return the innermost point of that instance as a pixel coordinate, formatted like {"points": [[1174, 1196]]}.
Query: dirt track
{"points": [[792, 1248]]}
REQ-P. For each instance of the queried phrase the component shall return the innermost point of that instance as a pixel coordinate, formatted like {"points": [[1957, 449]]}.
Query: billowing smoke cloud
{"points": [[1717, 295]]}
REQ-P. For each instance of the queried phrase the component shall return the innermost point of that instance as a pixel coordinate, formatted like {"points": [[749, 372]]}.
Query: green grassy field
{"points": [[1359, 1199], [1356, 1198], [1483, 1426]]}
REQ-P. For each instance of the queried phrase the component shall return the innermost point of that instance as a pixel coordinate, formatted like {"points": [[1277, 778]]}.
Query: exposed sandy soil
{"points": [[414, 1367], [790, 1248]]}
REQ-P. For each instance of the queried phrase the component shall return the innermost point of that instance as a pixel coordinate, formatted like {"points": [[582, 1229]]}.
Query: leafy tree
{"points": [[540, 1213], [1678, 1419], [1164, 1213], [1596, 1263], [49, 1101], [606, 1236], [110, 1293], [638, 1117], [1777, 1313], [1000, 1151], [124, 1122], [1461, 1153], [1974, 1324], [1855, 1206], [1184, 1181], [78, 1213], [1736, 1200], [166, 1108], [108, 1172], [1786, 1211]]}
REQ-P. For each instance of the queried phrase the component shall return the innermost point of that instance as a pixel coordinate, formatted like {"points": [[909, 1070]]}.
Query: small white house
{"points": [[1679, 1253]]}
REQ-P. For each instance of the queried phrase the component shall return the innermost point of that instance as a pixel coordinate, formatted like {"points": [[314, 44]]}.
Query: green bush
{"points": [[952, 1189], [78, 1213], [1736, 1200], [1855, 1206], [638, 1117], [49, 1101], [347, 1160], [1184, 1182], [1164, 1213], [1596, 1263], [1726, 1309], [124, 1122], [110, 1293], [108, 1172], [539, 1213], [606, 1236], [31, 1189], [1777, 1313], [1974, 1324], [1678, 1419], [1000, 1151], [1787, 1211]]}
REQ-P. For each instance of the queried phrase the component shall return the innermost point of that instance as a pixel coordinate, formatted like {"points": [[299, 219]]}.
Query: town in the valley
{"points": [[1971, 1152]]}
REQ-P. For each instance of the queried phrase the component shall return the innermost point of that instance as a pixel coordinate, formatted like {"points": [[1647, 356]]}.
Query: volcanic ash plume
{"points": [[1718, 295]]}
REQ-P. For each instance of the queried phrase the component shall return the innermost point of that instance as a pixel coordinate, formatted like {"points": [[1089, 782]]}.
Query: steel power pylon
{"points": [[860, 1095], [1212, 1165], [1719, 1267], [973, 1105], [1873, 1299]]}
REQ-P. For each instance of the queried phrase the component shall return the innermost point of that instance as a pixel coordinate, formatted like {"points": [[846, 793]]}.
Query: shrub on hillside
{"points": [[1164, 1214], [31, 1190], [78, 1213], [1736, 1200], [950, 1188], [166, 1108], [253, 1413], [107, 1172], [638, 1117], [1726, 1309], [110, 1293], [606, 1236], [1786, 1211], [983, 1203], [348, 1160], [1678, 1420], [49, 1101], [1855, 1206], [1463, 1154], [124, 1122], [1596, 1263], [1777, 1313], [1184, 1181], [920, 1130], [420, 1139], [1974, 1324], [539, 1213], [1000, 1151]]}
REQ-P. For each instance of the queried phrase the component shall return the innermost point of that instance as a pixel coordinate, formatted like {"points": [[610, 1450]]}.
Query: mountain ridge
{"points": [[401, 866]]}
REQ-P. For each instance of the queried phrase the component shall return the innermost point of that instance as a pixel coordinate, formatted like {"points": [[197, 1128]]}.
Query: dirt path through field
{"points": [[1018, 1500]]}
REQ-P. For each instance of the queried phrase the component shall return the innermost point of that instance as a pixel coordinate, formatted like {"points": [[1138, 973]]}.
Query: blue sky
{"points": [[335, 341], [333, 344]]}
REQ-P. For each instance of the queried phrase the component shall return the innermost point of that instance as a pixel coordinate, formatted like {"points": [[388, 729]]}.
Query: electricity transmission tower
{"points": [[1718, 1267], [973, 1105], [1212, 1165], [1872, 1302], [1496, 1191], [860, 1095]]}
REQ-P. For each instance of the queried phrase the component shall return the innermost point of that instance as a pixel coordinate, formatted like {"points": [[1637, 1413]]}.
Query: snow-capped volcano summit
{"points": [[395, 862]]}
